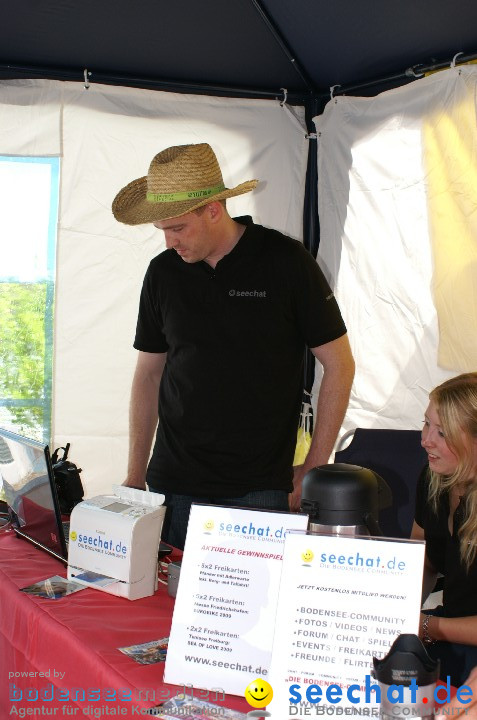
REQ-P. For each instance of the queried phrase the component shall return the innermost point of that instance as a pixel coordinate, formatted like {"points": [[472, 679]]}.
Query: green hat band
{"points": [[187, 195]]}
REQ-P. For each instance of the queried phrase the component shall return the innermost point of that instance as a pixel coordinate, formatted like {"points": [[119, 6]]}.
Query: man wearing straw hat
{"points": [[225, 314]]}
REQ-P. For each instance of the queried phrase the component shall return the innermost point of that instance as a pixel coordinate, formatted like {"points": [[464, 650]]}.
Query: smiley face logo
{"points": [[208, 526], [73, 535], [258, 693], [307, 556]]}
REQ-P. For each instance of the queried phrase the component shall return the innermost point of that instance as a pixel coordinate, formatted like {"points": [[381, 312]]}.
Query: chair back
{"points": [[396, 455]]}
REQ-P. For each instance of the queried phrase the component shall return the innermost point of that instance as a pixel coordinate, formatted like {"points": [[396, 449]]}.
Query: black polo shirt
{"points": [[443, 551], [235, 335]]}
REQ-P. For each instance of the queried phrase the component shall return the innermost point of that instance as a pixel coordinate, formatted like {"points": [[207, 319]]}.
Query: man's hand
{"points": [[294, 498], [135, 483]]}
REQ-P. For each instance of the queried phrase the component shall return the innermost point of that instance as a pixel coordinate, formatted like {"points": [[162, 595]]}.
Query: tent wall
{"points": [[106, 137], [382, 166], [397, 203]]}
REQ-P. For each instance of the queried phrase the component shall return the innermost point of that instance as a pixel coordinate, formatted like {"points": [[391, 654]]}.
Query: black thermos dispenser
{"points": [[343, 499]]}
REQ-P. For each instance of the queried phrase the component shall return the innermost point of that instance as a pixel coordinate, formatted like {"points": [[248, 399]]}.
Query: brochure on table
{"points": [[224, 614], [342, 600]]}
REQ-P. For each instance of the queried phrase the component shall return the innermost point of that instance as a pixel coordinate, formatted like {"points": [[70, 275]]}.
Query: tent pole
{"points": [[311, 225], [284, 46], [311, 222], [412, 73], [14, 72]]}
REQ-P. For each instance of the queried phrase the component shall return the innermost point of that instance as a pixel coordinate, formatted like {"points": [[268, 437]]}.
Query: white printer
{"points": [[114, 541]]}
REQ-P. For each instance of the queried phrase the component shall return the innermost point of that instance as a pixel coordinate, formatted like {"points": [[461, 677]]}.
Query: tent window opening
{"points": [[28, 224]]}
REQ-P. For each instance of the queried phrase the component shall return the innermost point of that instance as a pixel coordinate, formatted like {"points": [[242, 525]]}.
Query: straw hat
{"points": [[180, 179]]}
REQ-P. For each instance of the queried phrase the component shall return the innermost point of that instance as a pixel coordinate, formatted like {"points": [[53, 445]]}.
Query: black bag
{"points": [[68, 482]]}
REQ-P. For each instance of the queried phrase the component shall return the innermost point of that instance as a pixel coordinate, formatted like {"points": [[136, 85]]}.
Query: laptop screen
{"points": [[30, 492]]}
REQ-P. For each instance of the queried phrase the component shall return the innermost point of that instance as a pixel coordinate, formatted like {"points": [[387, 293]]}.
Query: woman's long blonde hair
{"points": [[456, 403]]}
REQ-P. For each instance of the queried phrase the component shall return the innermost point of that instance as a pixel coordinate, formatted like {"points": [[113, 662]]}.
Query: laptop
{"points": [[28, 481]]}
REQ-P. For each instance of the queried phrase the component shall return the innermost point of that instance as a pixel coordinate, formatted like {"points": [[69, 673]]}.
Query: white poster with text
{"points": [[224, 614], [343, 600]]}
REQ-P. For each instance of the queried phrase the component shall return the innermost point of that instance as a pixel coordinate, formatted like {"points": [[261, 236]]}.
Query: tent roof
{"points": [[243, 46]]}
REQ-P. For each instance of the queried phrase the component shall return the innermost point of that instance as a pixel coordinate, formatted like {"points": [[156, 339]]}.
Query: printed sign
{"points": [[342, 601], [224, 614]]}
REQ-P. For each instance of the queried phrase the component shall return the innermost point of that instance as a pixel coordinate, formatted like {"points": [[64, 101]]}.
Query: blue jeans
{"points": [[174, 528]]}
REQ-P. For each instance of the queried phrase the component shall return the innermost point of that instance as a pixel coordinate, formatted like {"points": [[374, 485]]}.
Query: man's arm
{"points": [[333, 398], [143, 415]]}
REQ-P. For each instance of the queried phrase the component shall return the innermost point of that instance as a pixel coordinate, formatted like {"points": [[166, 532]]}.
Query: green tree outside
{"points": [[23, 313]]}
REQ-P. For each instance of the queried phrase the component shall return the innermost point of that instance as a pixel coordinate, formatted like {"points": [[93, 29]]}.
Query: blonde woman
{"points": [[446, 517]]}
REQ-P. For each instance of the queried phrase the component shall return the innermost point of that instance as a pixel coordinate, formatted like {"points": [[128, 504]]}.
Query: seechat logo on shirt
{"points": [[248, 293]]}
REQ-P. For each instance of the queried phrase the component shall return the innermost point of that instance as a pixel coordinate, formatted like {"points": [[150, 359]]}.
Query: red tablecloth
{"points": [[73, 642]]}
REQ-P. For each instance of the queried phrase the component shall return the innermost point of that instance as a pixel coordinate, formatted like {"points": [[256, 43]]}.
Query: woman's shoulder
{"points": [[423, 481], [423, 505]]}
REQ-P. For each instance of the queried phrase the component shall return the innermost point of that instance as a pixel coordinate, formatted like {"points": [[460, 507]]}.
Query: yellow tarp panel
{"points": [[450, 144]]}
